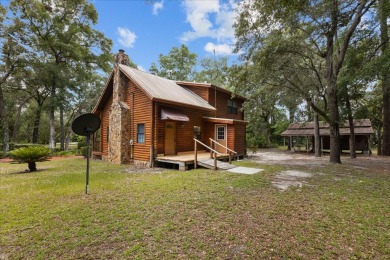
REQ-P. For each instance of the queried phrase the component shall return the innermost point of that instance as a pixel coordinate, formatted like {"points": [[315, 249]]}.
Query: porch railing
{"points": [[212, 141], [196, 141]]}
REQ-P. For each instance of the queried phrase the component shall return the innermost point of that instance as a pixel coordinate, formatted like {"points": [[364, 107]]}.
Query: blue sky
{"points": [[144, 29]]}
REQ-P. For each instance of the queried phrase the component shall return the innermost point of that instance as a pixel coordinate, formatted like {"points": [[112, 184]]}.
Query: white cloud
{"points": [[126, 37], [210, 18], [220, 49], [157, 6]]}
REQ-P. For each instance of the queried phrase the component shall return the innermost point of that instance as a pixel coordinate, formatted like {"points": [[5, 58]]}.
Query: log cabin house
{"points": [[147, 119]]}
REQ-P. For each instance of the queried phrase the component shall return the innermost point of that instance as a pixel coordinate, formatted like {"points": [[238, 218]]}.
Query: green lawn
{"points": [[344, 212]]}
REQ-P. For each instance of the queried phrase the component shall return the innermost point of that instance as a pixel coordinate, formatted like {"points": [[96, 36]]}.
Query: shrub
{"points": [[81, 144], [31, 155], [65, 153], [2, 154], [83, 151]]}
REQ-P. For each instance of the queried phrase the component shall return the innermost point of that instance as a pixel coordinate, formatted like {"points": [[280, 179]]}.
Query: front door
{"points": [[170, 138], [221, 138]]}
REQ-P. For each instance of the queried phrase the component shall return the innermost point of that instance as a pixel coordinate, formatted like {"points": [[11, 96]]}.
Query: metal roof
{"points": [[164, 89], [362, 127]]}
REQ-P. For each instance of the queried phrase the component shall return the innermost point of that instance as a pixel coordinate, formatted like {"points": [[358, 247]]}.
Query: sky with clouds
{"points": [[146, 28]]}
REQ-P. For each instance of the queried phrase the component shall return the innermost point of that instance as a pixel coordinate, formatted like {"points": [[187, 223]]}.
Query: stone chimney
{"points": [[122, 58], [119, 123]]}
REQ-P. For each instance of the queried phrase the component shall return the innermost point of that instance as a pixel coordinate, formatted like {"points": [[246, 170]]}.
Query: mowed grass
{"points": [[341, 212]]}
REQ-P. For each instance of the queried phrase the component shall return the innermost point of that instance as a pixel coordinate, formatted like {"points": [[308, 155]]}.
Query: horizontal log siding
{"points": [[231, 137], [142, 115], [222, 105], [200, 91], [184, 130], [240, 139], [105, 118]]}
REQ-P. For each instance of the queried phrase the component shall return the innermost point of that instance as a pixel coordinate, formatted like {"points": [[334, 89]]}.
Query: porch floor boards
{"points": [[186, 158]]}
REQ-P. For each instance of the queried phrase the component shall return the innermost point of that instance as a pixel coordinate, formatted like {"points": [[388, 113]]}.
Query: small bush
{"points": [[31, 155], [83, 151], [81, 144], [17, 146], [65, 153], [3, 155], [11, 146]]}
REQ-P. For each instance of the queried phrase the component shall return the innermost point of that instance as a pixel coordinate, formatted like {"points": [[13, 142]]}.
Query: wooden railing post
{"points": [[211, 151], [195, 154], [230, 157], [215, 162]]}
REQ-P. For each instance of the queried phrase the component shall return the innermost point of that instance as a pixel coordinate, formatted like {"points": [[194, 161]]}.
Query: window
{"points": [[140, 133], [232, 107], [220, 133]]}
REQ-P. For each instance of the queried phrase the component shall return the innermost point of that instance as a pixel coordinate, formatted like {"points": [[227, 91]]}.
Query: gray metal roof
{"points": [[361, 126], [164, 89]]}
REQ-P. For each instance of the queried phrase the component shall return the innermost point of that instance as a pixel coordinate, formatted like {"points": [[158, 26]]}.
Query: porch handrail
{"points": [[212, 140], [228, 149], [196, 141]]}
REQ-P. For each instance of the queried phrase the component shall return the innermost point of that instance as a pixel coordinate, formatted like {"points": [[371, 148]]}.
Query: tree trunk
{"points": [[4, 121], [383, 16], [37, 122], [352, 141], [62, 128], [52, 136], [379, 135], [32, 166], [67, 138], [335, 151], [317, 138], [17, 119]]}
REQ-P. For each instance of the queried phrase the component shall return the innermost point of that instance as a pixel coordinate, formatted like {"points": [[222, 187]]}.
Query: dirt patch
{"points": [[287, 179], [290, 178], [288, 158], [280, 157]]}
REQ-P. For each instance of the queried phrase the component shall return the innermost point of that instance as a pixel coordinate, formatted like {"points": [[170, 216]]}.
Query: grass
{"points": [[342, 212]]}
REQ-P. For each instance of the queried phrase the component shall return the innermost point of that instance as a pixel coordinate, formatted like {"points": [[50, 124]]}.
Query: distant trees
{"points": [[178, 64], [63, 56], [307, 44]]}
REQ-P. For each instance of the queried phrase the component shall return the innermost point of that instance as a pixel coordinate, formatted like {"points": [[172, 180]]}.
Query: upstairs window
{"points": [[232, 107], [140, 133]]}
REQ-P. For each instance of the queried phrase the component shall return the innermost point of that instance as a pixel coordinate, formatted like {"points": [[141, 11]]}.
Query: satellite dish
{"points": [[86, 125]]}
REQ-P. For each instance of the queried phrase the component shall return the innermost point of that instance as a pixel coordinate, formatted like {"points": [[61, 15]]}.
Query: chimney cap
{"points": [[121, 51]]}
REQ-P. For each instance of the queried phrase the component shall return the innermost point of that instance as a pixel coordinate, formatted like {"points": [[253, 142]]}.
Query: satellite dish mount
{"points": [[86, 125]]}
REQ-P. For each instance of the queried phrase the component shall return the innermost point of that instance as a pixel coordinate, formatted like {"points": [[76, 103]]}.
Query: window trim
{"points": [[232, 107], [139, 134], [224, 132]]}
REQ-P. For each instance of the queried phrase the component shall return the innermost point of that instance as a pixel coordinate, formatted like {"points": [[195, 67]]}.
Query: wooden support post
{"points": [[307, 144], [195, 155], [230, 157], [211, 152], [322, 145], [215, 162]]}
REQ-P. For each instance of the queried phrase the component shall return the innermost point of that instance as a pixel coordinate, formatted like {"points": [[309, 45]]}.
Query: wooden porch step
{"points": [[209, 163]]}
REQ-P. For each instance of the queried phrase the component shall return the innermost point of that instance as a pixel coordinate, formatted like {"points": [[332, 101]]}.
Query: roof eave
{"points": [[182, 104], [95, 109]]}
